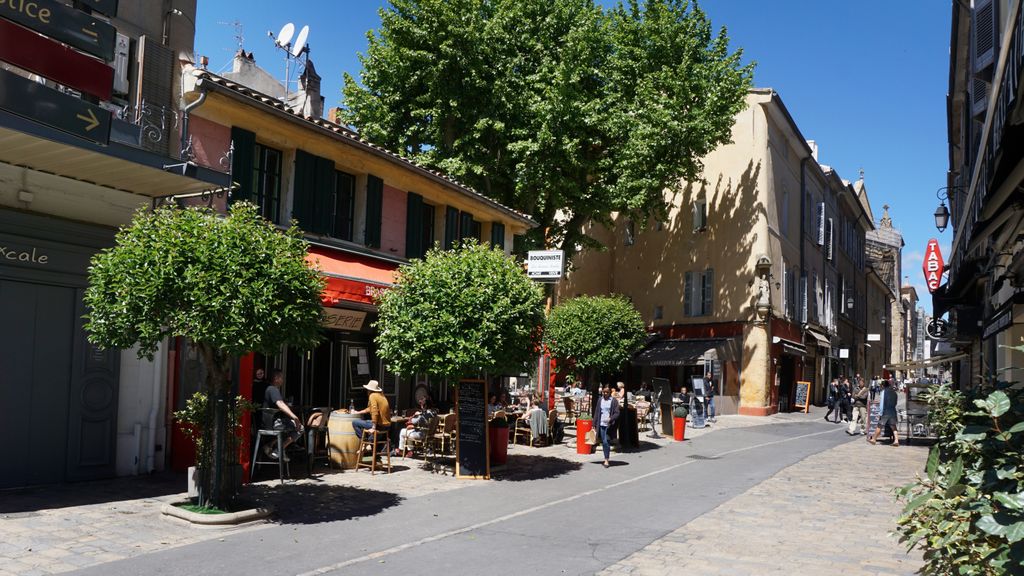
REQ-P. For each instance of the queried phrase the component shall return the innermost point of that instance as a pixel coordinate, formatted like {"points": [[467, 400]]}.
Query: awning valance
{"points": [[930, 362], [819, 339], [350, 277], [677, 352], [790, 347]]}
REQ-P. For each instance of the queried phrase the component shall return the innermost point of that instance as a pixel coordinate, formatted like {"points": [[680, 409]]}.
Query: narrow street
{"points": [[788, 497]]}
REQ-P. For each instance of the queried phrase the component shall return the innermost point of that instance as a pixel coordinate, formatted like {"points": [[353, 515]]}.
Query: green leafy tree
{"points": [[458, 313], [559, 108], [594, 334], [232, 285]]}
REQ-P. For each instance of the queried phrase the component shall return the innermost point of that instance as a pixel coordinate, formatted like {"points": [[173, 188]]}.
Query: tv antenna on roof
{"points": [[283, 40]]}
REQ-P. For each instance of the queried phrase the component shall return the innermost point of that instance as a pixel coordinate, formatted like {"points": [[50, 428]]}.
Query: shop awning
{"points": [[820, 339], [790, 347], [930, 362], [350, 277], [676, 352]]}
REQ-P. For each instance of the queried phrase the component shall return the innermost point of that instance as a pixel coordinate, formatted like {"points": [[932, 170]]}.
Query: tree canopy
{"points": [[597, 333], [559, 108], [231, 284], [460, 312]]}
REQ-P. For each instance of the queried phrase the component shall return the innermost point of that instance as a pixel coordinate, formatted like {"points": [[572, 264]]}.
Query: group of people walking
{"points": [[848, 401]]}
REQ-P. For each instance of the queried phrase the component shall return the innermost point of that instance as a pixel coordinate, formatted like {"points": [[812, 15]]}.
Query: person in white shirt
{"points": [[606, 412]]}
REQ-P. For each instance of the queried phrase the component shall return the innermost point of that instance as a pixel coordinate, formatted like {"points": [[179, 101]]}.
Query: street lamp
{"points": [[942, 213], [849, 303]]}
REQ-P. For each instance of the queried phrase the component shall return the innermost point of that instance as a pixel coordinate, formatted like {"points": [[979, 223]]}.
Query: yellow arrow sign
{"points": [[89, 118]]}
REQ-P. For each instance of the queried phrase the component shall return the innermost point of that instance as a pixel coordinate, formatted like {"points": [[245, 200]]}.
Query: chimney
{"points": [[307, 101], [814, 149]]}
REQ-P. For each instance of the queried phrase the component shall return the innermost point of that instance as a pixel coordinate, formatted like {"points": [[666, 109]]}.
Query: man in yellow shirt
{"points": [[378, 409]]}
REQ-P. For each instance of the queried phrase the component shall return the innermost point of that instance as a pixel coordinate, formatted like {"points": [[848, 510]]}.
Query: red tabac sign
{"points": [[933, 265]]}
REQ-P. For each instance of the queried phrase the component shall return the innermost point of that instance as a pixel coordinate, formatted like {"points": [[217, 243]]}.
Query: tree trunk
{"points": [[217, 489]]}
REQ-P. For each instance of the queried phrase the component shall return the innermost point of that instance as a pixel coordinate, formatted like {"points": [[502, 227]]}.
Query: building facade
{"points": [[67, 181], [984, 292], [757, 274]]}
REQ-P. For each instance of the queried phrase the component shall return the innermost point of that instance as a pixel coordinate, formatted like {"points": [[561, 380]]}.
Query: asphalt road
{"points": [[576, 521]]}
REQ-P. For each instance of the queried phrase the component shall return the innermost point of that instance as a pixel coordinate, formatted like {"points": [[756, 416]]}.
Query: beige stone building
{"points": [[751, 273]]}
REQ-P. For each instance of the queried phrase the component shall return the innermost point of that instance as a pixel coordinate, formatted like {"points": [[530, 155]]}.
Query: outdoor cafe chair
{"points": [[425, 445], [318, 438], [570, 410], [446, 433]]}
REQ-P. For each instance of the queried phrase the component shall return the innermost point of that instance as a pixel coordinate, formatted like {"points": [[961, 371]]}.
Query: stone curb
{"points": [[228, 520]]}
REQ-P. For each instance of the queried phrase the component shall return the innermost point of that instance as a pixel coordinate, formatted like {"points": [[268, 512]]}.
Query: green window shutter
{"points": [[498, 235], [243, 164], [303, 197], [451, 227], [374, 210], [709, 291], [324, 203], [465, 225], [414, 226], [688, 295]]}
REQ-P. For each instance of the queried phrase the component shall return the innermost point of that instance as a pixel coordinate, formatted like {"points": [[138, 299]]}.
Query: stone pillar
{"points": [[755, 382]]}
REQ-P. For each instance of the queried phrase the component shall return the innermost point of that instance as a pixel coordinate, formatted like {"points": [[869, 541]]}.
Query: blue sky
{"points": [[867, 80]]}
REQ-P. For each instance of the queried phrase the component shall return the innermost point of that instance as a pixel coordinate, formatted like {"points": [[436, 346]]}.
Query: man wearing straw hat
{"points": [[378, 409]]}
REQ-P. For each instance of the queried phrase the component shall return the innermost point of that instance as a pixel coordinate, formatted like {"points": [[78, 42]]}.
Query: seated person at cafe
{"points": [[492, 405], [535, 416], [577, 389], [378, 409], [415, 429], [283, 419], [503, 400]]}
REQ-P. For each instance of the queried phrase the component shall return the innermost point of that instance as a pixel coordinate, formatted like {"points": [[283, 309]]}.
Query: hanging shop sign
{"points": [[933, 265], [938, 329]]}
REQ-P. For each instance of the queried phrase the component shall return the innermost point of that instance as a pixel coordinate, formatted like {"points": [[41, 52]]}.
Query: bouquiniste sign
{"points": [[933, 265]]}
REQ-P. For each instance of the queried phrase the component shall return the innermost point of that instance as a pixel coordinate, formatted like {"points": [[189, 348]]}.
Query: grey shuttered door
{"points": [[92, 408]]}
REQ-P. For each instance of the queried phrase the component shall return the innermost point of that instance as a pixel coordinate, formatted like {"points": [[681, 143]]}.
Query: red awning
{"points": [[350, 277]]}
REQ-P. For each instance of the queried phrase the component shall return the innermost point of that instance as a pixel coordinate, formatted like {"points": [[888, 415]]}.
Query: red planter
{"points": [[679, 428], [499, 444], [582, 427]]}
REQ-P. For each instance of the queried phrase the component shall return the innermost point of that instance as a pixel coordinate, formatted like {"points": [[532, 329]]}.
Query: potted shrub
{"points": [[584, 424], [679, 422], [498, 429]]}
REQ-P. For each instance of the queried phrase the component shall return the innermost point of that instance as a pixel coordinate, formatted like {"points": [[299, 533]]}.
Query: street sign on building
{"points": [[545, 265], [50, 59], [938, 329], [48, 106], [933, 265], [64, 24]]}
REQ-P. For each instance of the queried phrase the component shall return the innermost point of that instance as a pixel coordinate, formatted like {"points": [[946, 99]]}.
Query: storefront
{"points": [[58, 393], [682, 361]]}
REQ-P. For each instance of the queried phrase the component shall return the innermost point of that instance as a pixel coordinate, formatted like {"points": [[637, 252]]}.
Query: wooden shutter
{"points": [[498, 235], [465, 225], [325, 203], [344, 200], [414, 226], [803, 297], [709, 292], [828, 238], [821, 224], [984, 34], [154, 90], [451, 227], [243, 164], [374, 209], [303, 195], [688, 295]]}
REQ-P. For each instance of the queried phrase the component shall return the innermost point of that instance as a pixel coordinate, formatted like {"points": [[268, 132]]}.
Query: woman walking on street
{"points": [[833, 399], [606, 412]]}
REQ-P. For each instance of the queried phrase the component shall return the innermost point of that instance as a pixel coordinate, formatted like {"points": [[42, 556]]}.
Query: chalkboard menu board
{"points": [[472, 453], [874, 412], [800, 396]]}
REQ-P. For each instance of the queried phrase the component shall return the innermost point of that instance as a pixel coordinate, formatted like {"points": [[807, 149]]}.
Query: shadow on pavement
{"points": [[92, 492], [525, 467], [318, 503]]}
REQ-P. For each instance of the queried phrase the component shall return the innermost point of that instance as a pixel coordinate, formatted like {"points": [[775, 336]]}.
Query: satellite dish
{"points": [[285, 35], [300, 42]]}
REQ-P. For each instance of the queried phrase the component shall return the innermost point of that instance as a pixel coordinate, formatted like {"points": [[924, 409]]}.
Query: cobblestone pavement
{"points": [[832, 513], [55, 529]]}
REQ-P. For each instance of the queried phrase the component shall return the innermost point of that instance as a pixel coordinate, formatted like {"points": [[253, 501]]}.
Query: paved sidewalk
{"points": [[829, 514]]}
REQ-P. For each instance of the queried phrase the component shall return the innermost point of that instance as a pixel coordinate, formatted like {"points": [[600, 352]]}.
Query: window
{"points": [[790, 291], [700, 214], [658, 312], [629, 233], [803, 298], [344, 205], [257, 174], [314, 203], [451, 227], [816, 299], [698, 297], [828, 238], [498, 235], [843, 295], [821, 224]]}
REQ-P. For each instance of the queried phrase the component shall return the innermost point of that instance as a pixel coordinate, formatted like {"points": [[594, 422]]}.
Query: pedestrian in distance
{"points": [[888, 415], [845, 400], [832, 400], [606, 413], [860, 408]]}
